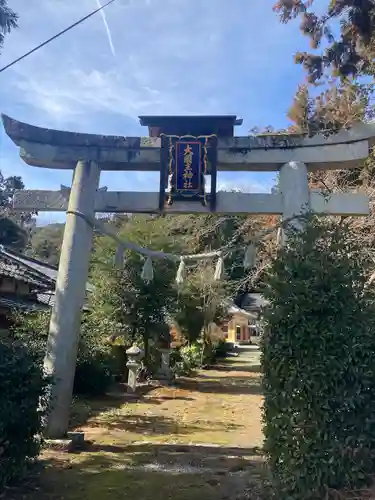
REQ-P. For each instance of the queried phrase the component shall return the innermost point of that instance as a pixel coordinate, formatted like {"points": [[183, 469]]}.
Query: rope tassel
{"points": [[249, 259], [219, 270], [148, 271], [119, 257], [280, 240], [181, 272]]}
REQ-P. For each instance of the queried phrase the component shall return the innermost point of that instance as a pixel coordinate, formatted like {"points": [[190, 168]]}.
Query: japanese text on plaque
{"points": [[188, 173]]}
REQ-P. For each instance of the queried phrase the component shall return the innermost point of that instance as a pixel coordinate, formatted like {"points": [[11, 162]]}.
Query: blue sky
{"points": [[163, 57]]}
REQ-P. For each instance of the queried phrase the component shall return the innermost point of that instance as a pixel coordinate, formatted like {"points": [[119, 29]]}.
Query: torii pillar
{"points": [[88, 154], [294, 189], [65, 322]]}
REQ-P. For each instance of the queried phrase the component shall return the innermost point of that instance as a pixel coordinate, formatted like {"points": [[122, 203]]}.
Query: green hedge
{"points": [[319, 364], [97, 363], [22, 388]]}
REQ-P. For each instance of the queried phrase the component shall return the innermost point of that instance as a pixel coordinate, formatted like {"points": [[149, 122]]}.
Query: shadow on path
{"points": [[154, 424], [239, 375], [85, 409], [226, 367], [223, 386], [149, 472]]}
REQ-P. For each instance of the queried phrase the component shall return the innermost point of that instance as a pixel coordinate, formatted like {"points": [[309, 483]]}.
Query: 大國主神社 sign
{"points": [[186, 161]]}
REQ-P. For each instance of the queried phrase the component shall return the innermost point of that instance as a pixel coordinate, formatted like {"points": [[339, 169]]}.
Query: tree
{"points": [[13, 232], [10, 232], [11, 235], [339, 106], [45, 243], [319, 374], [203, 233], [8, 20], [345, 101], [8, 187], [202, 301], [189, 316], [122, 300], [351, 53]]}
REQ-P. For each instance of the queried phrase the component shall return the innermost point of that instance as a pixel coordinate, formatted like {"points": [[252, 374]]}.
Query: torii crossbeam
{"points": [[292, 155]]}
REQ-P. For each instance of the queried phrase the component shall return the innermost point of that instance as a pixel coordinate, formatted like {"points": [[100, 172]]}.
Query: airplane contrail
{"points": [[109, 35]]}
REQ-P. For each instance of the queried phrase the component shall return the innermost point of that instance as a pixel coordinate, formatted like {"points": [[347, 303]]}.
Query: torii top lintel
{"points": [[62, 149], [220, 125]]}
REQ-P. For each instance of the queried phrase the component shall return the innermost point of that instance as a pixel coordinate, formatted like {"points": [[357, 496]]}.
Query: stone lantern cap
{"points": [[135, 352]]}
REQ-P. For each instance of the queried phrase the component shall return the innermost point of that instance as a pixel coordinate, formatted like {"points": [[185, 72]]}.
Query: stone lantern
{"points": [[135, 355]]}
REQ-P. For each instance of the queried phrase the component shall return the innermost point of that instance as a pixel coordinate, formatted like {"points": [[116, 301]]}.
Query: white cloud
{"points": [[74, 75], [70, 95], [245, 185], [172, 56]]}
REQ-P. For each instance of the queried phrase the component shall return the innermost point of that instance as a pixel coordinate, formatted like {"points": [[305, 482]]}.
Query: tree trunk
{"points": [[146, 349], [204, 345]]}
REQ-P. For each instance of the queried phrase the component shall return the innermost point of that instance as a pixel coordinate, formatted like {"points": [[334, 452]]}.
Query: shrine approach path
{"points": [[200, 439]]}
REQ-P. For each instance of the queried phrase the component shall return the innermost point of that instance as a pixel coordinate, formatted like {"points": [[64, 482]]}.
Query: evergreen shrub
{"points": [[318, 355], [23, 390]]}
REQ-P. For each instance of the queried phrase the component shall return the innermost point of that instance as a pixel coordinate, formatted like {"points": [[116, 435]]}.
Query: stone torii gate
{"points": [[87, 155]]}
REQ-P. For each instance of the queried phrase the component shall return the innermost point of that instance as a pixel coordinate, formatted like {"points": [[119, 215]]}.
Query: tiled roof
{"points": [[253, 301], [42, 276], [237, 310], [19, 266], [47, 298], [37, 266], [24, 269], [11, 301], [9, 269]]}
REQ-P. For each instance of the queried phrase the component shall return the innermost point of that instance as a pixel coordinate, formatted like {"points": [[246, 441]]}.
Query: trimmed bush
{"points": [[221, 350], [94, 375], [97, 363], [22, 388], [192, 355], [318, 364], [186, 359]]}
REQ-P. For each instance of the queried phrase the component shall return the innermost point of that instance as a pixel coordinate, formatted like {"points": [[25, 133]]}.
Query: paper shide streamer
{"points": [[181, 272], [249, 260], [280, 239], [148, 271], [219, 270], [119, 257]]}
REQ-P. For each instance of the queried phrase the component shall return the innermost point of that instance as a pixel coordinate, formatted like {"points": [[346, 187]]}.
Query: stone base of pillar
{"points": [[132, 376], [164, 374], [74, 441]]}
